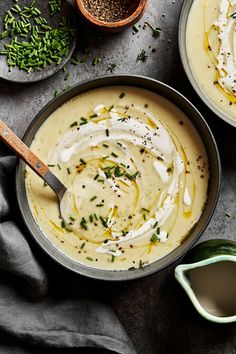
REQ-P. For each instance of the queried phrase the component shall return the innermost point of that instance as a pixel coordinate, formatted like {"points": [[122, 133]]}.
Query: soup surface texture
{"points": [[210, 40], [137, 175]]}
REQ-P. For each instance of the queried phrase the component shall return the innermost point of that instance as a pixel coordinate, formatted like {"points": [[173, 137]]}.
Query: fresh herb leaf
{"points": [[111, 67], [83, 224], [83, 162], [135, 29], [154, 238], [74, 124], [93, 198], [155, 30], [96, 61], [142, 56]]}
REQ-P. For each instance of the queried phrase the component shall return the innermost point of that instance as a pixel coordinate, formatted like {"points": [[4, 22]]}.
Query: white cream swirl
{"points": [[168, 165], [226, 58]]}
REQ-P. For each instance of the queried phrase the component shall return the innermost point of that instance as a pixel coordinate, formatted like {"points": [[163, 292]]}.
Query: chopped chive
{"points": [[158, 231], [83, 121], [117, 172], [140, 264], [113, 257], [146, 210], [67, 76], [104, 221], [83, 224], [135, 29], [96, 177], [105, 157], [56, 93], [107, 132], [99, 205], [68, 171], [142, 56], [89, 258], [111, 67], [105, 145], [51, 165], [155, 225], [154, 238], [131, 177], [59, 167], [63, 224], [82, 246], [74, 61], [83, 161], [122, 95], [74, 124], [72, 219], [91, 218], [110, 108], [95, 216], [93, 115], [113, 154], [4, 35], [96, 61], [93, 198]]}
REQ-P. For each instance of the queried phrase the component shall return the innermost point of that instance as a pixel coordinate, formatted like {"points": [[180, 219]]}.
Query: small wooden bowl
{"points": [[136, 11]]}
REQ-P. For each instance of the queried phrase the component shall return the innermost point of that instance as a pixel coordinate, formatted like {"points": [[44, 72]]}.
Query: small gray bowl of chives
{"points": [[53, 18]]}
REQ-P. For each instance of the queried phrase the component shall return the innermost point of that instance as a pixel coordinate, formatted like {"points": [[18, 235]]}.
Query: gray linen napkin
{"points": [[36, 310]]}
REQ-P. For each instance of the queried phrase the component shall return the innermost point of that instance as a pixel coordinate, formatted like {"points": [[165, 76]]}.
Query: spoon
{"points": [[21, 150]]}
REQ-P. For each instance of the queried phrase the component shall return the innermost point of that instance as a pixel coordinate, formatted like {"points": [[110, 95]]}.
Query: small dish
{"points": [[208, 277], [20, 76], [136, 11]]}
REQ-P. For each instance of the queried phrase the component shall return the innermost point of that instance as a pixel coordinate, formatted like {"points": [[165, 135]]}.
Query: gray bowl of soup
{"points": [[142, 166], [206, 42]]}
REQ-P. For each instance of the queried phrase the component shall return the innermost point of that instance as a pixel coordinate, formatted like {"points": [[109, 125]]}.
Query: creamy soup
{"points": [[215, 288], [137, 175], [211, 40]]}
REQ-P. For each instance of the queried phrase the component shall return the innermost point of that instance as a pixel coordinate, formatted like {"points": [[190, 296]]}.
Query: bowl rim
{"points": [[116, 24], [213, 190], [184, 15]]}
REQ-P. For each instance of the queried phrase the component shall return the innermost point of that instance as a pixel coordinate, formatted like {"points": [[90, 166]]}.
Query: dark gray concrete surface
{"points": [[155, 312]]}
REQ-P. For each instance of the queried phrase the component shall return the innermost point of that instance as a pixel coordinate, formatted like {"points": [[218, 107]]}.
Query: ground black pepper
{"points": [[108, 10]]}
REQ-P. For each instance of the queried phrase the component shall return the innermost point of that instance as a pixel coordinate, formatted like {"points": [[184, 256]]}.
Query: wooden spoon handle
{"points": [[22, 150]]}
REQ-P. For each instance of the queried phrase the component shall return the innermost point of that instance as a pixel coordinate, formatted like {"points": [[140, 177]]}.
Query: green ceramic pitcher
{"points": [[208, 276]]}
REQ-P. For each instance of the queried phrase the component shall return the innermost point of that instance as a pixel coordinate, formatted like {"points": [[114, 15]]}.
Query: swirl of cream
{"points": [[156, 140], [226, 27]]}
